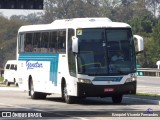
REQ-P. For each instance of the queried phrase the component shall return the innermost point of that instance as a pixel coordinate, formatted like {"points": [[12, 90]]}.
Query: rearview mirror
{"points": [[140, 42], [74, 44]]}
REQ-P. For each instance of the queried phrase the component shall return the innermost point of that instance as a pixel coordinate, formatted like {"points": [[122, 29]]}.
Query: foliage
{"points": [[8, 33], [1, 79]]}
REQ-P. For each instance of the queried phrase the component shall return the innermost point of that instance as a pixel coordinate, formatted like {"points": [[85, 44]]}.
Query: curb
{"points": [[150, 101], [10, 89]]}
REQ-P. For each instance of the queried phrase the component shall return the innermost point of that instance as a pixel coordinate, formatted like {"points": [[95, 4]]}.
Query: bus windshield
{"points": [[106, 51]]}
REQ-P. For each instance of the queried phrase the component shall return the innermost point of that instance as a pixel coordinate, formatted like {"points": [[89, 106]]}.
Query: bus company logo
{"points": [[33, 65]]}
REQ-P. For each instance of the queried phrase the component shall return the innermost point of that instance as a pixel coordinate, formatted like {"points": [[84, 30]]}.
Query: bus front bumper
{"points": [[90, 90]]}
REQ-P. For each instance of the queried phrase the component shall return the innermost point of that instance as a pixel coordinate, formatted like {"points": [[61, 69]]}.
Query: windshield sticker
{"points": [[79, 32]]}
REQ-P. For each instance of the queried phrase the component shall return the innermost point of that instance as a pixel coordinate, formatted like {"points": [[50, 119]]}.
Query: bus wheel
{"points": [[117, 98], [34, 95], [15, 83], [68, 99], [42, 95]]}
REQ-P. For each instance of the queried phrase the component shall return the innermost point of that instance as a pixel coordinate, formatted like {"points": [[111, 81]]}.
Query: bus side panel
{"points": [[63, 72], [42, 68]]}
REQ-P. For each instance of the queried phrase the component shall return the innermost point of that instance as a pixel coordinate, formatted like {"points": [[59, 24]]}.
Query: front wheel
{"points": [[68, 99], [117, 99]]}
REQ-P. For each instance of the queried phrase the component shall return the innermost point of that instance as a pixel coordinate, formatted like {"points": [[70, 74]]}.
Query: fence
{"points": [[148, 72]]}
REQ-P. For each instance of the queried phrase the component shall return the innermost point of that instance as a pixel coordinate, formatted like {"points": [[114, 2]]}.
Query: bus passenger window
{"points": [[21, 38], [37, 42], [44, 42], [62, 42], [53, 42], [28, 42]]}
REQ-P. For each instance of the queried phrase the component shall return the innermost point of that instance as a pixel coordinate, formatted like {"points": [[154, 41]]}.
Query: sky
{"points": [[10, 12]]}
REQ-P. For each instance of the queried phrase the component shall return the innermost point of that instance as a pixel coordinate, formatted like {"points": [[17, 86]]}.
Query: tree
{"points": [[153, 6], [64, 9], [8, 33]]}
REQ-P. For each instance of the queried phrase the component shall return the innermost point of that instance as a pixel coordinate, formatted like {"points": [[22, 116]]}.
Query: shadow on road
{"points": [[99, 101]]}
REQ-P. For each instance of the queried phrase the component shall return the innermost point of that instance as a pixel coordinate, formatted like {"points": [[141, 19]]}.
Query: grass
{"points": [[1, 79], [146, 96]]}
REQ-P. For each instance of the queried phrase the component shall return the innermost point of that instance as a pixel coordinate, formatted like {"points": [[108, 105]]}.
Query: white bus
{"points": [[73, 58]]}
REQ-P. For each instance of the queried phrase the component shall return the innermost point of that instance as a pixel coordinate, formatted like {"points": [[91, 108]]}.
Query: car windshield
{"points": [[106, 51]]}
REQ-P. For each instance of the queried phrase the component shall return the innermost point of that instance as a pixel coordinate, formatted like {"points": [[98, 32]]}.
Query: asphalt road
{"points": [[13, 100], [150, 85], [84, 109]]}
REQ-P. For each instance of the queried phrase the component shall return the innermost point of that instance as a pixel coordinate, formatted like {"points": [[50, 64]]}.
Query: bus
{"points": [[73, 58]]}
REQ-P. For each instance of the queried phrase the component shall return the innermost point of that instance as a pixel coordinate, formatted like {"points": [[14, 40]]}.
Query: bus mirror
{"points": [[139, 42], [74, 44]]}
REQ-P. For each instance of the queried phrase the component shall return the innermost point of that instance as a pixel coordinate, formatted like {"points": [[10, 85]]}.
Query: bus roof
{"points": [[75, 23]]}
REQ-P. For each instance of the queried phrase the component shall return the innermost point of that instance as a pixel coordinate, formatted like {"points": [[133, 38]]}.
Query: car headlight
{"points": [[132, 78], [84, 81]]}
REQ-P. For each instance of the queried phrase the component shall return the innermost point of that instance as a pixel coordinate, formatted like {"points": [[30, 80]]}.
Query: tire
{"points": [[7, 83], [68, 99], [15, 83], [42, 95], [36, 95], [117, 99], [33, 94]]}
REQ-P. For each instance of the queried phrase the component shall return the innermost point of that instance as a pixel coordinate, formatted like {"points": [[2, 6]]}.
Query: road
{"points": [[12, 99], [84, 109], [149, 85]]}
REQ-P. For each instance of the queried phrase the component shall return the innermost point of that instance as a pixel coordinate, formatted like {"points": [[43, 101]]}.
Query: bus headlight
{"points": [[132, 78], [84, 81]]}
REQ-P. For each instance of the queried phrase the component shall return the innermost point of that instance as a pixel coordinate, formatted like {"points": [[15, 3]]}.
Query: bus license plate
{"points": [[108, 89]]}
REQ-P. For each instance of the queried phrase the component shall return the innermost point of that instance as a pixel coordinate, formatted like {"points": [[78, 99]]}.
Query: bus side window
{"points": [[21, 38], [53, 42], [37, 42], [44, 42], [28, 42], [61, 39]]}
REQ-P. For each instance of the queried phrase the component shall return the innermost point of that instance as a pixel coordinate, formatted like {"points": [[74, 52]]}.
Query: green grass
{"points": [[1, 79], [148, 94]]}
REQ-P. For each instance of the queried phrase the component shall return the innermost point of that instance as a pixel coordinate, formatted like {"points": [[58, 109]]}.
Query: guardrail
{"points": [[148, 72]]}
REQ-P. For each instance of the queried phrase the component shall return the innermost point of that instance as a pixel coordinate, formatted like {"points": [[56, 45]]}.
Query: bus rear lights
{"points": [[84, 81]]}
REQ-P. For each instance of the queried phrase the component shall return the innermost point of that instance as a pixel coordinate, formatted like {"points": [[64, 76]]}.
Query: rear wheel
{"points": [[7, 83], [15, 83], [68, 99], [117, 99]]}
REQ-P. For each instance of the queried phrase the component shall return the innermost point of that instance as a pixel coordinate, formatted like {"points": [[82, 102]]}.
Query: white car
{"points": [[10, 73]]}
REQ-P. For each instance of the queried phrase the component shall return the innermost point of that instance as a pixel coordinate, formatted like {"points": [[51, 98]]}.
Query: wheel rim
{"points": [[65, 93], [32, 89]]}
